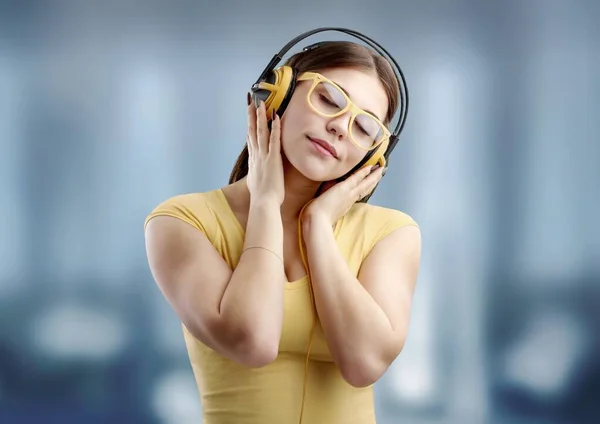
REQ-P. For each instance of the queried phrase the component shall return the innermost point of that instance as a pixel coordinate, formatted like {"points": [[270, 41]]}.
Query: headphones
{"points": [[275, 87]]}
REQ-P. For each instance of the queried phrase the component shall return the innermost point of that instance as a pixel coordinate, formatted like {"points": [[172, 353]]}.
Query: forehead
{"points": [[364, 88]]}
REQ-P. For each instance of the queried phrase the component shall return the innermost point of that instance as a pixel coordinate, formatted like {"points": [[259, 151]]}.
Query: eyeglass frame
{"points": [[317, 78]]}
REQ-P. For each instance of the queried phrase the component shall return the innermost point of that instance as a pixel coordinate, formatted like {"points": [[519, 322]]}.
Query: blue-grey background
{"points": [[109, 107]]}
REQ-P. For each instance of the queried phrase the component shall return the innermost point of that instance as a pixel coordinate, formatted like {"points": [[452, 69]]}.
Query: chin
{"points": [[311, 170], [311, 164]]}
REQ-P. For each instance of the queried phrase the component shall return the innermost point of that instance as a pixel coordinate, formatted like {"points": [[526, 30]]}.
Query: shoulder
{"points": [[366, 225], [391, 244], [196, 209], [377, 221], [371, 212]]}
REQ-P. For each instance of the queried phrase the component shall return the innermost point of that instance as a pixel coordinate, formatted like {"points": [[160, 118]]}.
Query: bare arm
{"points": [[365, 319], [238, 313]]}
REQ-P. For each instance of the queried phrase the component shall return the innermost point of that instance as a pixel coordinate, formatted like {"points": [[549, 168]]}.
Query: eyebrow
{"points": [[348, 94]]}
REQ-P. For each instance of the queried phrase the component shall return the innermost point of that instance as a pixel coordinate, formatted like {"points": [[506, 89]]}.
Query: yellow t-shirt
{"points": [[231, 393]]}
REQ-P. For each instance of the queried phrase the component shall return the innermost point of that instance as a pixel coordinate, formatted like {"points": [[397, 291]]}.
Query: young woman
{"points": [[273, 338]]}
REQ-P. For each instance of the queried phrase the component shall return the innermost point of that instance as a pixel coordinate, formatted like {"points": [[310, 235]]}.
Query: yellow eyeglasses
{"points": [[327, 99]]}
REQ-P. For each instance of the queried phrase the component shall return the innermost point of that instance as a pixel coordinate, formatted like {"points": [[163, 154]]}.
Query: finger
{"points": [[275, 137], [373, 186], [327, 186], [367, 184], [262, 132], [251, 136], [364, 193], [251, 152], [354, 180]]}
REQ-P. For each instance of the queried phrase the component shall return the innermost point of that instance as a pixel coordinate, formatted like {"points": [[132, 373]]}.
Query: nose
{"points": [[339, 126]]}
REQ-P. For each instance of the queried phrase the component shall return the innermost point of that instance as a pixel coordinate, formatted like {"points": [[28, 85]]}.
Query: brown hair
{"points": [[338, 54]]}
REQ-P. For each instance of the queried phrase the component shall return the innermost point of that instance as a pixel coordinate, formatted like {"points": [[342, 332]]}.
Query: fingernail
{"points": [[249, 98], [256, 102], [374, 168], [384, 171]]}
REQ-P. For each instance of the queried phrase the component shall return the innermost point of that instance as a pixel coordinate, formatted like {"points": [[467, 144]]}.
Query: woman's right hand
{"points": [[265, 166]]}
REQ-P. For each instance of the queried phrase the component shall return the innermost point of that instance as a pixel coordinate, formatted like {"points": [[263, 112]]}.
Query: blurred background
{"points": [[109, 107]]}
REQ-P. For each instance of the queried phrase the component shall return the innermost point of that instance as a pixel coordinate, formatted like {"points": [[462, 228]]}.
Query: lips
{"points": [[324, 147]]}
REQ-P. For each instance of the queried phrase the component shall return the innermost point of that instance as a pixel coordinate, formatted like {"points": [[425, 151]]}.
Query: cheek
{"points": [[292, 128], [355, 155], [287, 131], [289, 137]]}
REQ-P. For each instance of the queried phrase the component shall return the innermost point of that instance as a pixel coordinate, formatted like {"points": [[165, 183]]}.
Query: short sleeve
{"points": [[379, 222], [364, 226], [389, 220], [189, 208]]}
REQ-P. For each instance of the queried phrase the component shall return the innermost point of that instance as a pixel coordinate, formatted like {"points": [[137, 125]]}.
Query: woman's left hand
{"points": [[337, 199]]}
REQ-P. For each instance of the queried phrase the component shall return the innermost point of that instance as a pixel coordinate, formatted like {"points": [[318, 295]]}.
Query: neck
{"points": [[299, 190]]}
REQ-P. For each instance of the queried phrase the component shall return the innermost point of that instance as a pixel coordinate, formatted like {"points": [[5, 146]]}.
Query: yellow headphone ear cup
{"points": [[276, 90], [378, 157]]}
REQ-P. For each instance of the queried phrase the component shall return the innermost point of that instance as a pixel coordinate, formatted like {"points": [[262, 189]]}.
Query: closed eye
{"points": [[326, 100]]}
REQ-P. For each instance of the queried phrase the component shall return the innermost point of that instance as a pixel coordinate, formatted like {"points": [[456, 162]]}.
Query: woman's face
{"points": [[301, 126]]}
